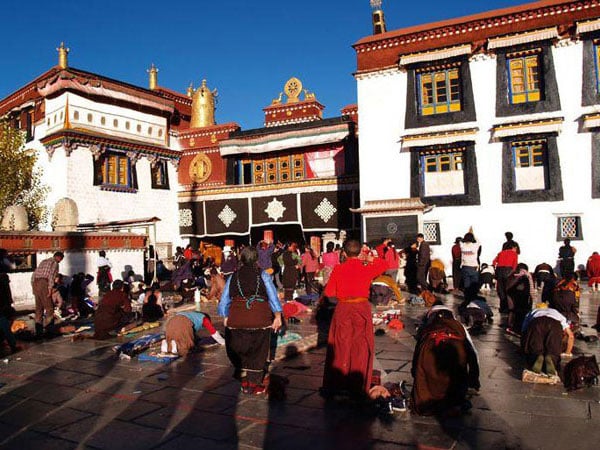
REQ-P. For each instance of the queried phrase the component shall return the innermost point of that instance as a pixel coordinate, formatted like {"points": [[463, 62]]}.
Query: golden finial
{"points": [[62, 56], [190, 90], [203, 106], [377, 17], [153, 78]]}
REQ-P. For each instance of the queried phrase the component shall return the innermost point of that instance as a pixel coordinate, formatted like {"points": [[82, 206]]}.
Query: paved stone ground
{"points": [[62, 394]]}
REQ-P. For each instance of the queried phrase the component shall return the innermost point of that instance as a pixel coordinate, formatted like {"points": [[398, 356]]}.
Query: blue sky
{"points": [[247, 50]]}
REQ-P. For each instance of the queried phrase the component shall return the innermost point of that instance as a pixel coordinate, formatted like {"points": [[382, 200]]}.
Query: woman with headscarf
{"points": [[252, 311]]}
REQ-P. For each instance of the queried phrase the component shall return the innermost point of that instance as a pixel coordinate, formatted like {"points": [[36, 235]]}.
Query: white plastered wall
{"points": [[385, 172]]}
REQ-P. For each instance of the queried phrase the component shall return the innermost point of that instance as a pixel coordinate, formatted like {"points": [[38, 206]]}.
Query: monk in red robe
{"points": [[351, 343]]}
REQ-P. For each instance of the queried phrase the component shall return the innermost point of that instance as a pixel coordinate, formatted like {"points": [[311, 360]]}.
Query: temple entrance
{"points": [[283, 233]]}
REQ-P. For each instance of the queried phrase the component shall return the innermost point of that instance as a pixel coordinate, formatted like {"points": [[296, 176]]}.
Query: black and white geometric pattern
{"points": [[185, 217], [227, 216], [325, 210], [275, 209]]}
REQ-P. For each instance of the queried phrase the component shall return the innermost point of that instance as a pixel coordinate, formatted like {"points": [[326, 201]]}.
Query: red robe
{"points": [[351, 344]]}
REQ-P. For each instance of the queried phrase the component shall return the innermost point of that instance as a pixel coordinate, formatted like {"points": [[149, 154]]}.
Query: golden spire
{"points": [[203, 107], [153, 78], [62, 56], [377, 17], [190, 90]]}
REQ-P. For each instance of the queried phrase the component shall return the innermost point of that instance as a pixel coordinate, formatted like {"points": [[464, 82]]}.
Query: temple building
{"points": [[106, 145], [294, 179], [487, 122], [127, 158]]}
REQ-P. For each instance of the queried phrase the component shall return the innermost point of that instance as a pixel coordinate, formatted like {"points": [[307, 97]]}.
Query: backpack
{"points": [[580, 372]]}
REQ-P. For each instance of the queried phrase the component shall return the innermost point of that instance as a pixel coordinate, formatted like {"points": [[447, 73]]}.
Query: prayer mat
{"points": [[539, 378], [143, 327], [136, 346], [164, 358]]}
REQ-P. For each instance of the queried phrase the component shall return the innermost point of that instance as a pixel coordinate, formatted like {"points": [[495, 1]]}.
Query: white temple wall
{"points": [[381, 100], [74, 262], [383, 170]]}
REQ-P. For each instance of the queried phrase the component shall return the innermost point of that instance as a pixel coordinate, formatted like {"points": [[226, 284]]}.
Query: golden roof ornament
{"points": [[190, 90], [153, 77], [63, 52], [293, 88], [377, 17], [203, 106]]}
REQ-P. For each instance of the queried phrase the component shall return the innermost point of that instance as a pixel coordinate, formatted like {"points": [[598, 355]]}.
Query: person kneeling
{"points": [[444, 365], [542, 339], [181, 330]]}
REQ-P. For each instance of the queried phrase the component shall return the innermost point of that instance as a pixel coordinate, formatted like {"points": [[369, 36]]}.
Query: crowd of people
{"points": [[253, 284]]}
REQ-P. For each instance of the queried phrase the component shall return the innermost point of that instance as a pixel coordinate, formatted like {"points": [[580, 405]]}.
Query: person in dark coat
{"points": [[445, 365], [410, 269], [423, 261], [114, 311], [7, 312], [290, 263]]}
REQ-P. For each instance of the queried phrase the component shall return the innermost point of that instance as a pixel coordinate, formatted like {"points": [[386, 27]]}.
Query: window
{"points": [[103, 120], [160, 175], [76, 115], [90, 117], [439, 91], [115, 123], [272, 170], [442, 172], [444, 162], [529, 163], [524, 76], [127, 125], [569, 227], [431, 232], [115, 170]]}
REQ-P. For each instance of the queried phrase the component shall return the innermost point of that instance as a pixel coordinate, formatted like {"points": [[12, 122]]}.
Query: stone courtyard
{"points": [[63, 394]]}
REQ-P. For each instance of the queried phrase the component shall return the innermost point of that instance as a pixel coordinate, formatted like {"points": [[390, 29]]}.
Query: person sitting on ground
{"points": [[217, 284], [58, 293], [181, 331], [152, 309], [114, 311], [565, 299], [444, 366], [542, 339]]}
